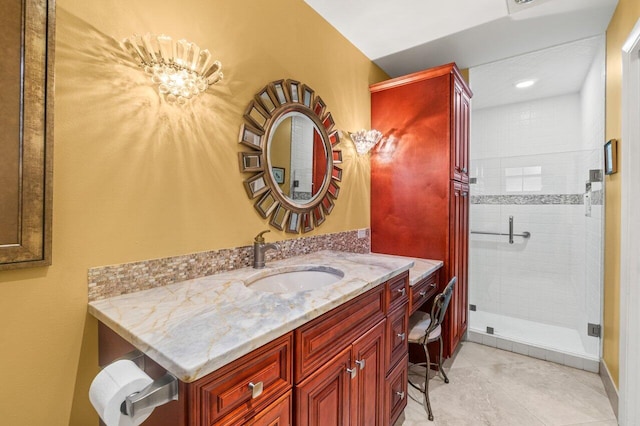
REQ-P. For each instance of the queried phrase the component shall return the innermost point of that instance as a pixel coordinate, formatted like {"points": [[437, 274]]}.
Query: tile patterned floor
{"points": [[489, 386]]}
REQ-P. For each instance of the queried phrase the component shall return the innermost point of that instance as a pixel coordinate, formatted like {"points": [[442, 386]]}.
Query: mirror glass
{"points": [[297, 157]]}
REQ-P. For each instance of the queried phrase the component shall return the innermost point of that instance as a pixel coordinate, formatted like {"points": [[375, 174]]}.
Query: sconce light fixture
{"points": [[364, 140], [180, 68]]}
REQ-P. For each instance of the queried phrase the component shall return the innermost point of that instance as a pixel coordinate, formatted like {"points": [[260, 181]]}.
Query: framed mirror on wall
{"points": [[26, 140], [294, 164]]}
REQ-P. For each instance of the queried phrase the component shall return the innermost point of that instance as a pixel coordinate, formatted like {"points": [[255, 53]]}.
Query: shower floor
{"points": [[544, 336]]}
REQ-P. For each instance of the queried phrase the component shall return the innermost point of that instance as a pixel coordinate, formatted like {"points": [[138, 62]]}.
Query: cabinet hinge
{"points": [[593, 330]]}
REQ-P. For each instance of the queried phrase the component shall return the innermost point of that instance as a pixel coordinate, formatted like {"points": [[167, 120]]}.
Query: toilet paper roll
{"points": [[110, 388]]}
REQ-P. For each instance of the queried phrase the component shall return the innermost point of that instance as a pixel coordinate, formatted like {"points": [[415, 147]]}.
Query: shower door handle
{"points": [[510, 229]]}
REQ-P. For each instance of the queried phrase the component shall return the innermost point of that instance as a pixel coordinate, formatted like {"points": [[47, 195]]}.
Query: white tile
{"points": [[489, 340], [557, 357], [573, 361], [591, 365], [520, 348], [472, 336], [537, 353], [504, 344]]}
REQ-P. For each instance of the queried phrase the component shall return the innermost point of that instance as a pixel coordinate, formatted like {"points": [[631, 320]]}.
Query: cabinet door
{"points": [[460, 140], [322, 399], [277, 414], [397, 333], [367, 388], [456, 319], [396, 392]]}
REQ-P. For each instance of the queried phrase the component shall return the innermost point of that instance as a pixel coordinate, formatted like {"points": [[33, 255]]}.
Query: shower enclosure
{"points": [[536, 213]]}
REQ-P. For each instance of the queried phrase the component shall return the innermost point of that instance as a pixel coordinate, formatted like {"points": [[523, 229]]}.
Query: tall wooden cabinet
{"points": [[420, 177]]}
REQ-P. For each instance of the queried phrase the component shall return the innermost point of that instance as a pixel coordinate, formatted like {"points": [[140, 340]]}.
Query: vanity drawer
{"points": [[422, 291], [279, 413], [397, 291], [397, 331], [226, 397], [321, 339], [395, 395]]}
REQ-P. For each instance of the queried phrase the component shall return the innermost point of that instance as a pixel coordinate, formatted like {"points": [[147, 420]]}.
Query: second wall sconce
{"points": [[180, 68], [364, 140]]}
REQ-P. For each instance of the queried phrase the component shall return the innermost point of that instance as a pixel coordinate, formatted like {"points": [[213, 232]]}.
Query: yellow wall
{"points": [[625, 17], [137, 179]]}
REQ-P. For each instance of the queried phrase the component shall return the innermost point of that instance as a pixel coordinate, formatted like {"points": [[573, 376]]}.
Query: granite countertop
{"points": [[421, 269], [194, 327]]}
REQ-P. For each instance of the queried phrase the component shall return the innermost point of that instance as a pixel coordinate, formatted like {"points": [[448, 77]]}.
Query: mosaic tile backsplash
{"points": [[114, 280]]}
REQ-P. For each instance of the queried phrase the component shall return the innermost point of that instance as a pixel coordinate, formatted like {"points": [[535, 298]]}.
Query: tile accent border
{"points": [[528, 199], [115, 280], [534, 351], [609, 387]]}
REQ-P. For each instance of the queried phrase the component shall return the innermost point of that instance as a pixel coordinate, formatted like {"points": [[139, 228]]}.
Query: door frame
{"points": [[628, 410]]}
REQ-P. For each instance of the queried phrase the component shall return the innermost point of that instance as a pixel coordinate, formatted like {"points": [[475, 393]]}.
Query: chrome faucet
{"points": [[259, 248]]}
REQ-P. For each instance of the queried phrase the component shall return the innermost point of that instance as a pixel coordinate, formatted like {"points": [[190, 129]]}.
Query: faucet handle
{"points": [[259, 238]]}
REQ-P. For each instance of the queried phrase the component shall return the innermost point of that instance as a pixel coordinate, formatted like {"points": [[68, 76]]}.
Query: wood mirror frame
{"points": [[26, 145], [274, 101]]}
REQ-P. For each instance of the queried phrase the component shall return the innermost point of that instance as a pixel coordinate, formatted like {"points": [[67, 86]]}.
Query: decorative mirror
{"points": [[26, 144], [293, 162]]}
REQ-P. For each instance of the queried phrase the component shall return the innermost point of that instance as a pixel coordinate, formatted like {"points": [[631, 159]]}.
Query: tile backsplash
{"points": [[114, 280]]}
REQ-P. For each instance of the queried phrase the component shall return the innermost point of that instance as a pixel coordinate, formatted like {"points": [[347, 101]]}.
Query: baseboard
{"points": [[609, 387]]}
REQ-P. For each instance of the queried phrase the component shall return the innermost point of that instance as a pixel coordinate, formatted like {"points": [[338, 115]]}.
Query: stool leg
{"points": [[426, 382], [440, 369]]}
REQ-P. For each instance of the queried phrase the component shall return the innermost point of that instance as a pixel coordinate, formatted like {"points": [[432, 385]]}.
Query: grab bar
{"points": [[525, 234]]}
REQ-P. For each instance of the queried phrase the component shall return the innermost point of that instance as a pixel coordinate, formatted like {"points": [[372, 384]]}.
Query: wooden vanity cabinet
{"points": [[422, 291], [225, 396], [419, 181], [345, 379], [395, 392], [347, 390], [345, 367]]}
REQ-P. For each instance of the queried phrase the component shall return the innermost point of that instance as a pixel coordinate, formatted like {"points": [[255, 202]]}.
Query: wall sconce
{"points": [[364, 140], [179, 68]]}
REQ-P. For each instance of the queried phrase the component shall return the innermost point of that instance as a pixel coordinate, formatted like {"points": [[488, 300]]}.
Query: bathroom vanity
{"points": [[332, 355]]}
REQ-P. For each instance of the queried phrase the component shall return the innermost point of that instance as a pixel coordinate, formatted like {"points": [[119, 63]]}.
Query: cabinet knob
{"points": [[464, 170], [400, 394], [402, 291], [256, 389], [464, 194], [432, 285], [423, 293], [360, 363], [353, 372], [402, 336]]}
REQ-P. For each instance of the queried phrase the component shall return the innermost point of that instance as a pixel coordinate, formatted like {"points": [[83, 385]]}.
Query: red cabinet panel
{"points": [[415, 210]]}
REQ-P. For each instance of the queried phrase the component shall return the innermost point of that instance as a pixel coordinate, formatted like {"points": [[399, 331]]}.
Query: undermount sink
{"points": [[293, 279]]}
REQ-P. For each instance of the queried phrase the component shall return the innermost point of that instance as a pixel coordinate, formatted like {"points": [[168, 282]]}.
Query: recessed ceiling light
{"points": [[525, 83], [523, 1]]}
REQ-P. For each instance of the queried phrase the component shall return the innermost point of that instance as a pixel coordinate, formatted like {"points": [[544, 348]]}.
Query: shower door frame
{"points": [[630, 231]]}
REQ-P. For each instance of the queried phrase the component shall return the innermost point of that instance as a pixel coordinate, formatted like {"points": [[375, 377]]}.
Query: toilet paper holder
{"points": [[161, 391]]}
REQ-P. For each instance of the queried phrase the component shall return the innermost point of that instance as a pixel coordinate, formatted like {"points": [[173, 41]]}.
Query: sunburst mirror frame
{"points": [[262, 115]]}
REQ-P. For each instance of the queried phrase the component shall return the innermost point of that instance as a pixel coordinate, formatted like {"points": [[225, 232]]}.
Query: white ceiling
{"points": [[557, 70], [404, 36]]}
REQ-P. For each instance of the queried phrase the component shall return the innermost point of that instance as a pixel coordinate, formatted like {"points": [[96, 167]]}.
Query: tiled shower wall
{"points": [[531, 160]]}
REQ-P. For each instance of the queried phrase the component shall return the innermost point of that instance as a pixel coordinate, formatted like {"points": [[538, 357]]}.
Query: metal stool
{"points": [[425, 329]]}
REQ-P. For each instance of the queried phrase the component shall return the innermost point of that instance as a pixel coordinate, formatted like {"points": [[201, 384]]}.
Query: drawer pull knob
{"points": [[402, 291], [400, 394], [423, 293], [464, 170], [353, 372], [432, 285], [360, 363], [256, 389], [402, 336]]}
